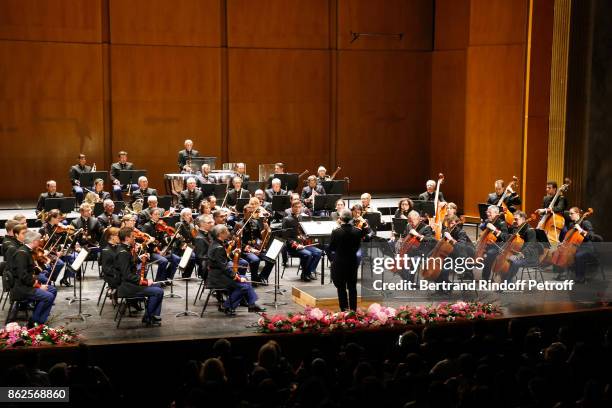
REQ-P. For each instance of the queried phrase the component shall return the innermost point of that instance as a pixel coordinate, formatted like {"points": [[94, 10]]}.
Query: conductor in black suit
{"points": [[345, 242], [186, 155]]}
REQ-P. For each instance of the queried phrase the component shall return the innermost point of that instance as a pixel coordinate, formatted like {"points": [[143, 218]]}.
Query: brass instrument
{"points": [[93, 168], [136, 207]]}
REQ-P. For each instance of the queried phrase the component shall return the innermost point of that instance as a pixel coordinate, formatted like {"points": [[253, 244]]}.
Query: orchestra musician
{"points": [[366, 203], [424, 233], [322, 175], [201, 242], [98, 190], [75, 173], [205, 207], [166, 265], [310, 191], [56, 241], [252, 228], [51, 193], [185, 156], [531, 249], [205, 176], [309, 255], [222, 276], [191, 197], [512, 200], [212, 200], [345, 243], [21, 219], [26, 287], [404, 206], [131, 284], [240, 170], [585, 252], [91, 229], [430, 193], [279, 168], [15, 234], [340, 205], [143, 191], [107, 258], [145, 215], [497, 226], [237, 192], [185, 232], [463, 247], [108, 218], [560, 206], [115, 170]]}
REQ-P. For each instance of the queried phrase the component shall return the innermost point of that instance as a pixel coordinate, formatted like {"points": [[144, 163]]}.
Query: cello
{"points": [[550, 222], [444, 247], [509, 217], [486, 238], [565, 254], [439, 210], [512, 246]]}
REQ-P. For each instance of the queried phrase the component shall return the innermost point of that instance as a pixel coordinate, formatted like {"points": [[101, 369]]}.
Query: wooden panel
{"points": [[413, 18], [452, 24], [58, 20], [383, 119], [535, 164], [279, 108], [50, 111], [162, 96], [278, 23], [181, 22], [494, 127], [448, 121], [498, 21]]}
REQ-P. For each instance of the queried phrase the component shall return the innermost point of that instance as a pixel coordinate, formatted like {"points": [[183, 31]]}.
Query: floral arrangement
{"points": [[13, 336], [315, 320]]}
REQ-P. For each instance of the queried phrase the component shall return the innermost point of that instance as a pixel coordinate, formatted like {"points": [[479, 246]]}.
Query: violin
{"points": [[509, 217], [550, 222], [565, 254], [511, 247], [161, 226], [143, 237]]}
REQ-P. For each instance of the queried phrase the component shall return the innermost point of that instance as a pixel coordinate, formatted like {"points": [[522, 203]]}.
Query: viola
{"points": [[565, 254], [161, 226]]}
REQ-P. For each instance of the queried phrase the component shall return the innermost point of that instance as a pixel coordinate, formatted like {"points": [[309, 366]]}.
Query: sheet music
{"points": [[319, 228], [76, 265], [185, 258]]}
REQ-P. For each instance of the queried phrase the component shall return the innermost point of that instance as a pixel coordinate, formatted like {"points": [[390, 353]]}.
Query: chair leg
{"points": [[119, 306], [198, 293], [121, 311], [2, 296], [104, 301], [10, 312], [210, 291], [5, 300], [101, 290]]}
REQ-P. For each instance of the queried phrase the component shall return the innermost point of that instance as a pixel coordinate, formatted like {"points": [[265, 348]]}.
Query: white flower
{"points": [[374, 308], [316, 313], [381, 316]]}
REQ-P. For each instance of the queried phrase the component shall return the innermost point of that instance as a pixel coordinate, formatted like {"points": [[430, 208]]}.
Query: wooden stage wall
{"points": [[269, 80]]}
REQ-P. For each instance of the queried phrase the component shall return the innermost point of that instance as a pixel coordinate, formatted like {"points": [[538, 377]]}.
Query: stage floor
{"points": [[98, 330]]}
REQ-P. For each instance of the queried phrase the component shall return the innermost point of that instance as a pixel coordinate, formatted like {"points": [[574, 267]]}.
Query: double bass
{"points": [[509, 217], [550, 222], [439, 210], [565, 254], [512, 246]]}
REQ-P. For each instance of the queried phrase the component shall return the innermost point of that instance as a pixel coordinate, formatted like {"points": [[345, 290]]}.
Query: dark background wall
{"points": [[274, 80]]}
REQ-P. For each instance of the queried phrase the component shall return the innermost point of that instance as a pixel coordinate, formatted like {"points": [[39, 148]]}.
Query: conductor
{"points": [[345, 242]]}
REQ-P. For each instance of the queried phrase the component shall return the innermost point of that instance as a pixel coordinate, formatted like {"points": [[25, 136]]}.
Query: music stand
{"points": [[87, 179], [64, 204], [240, 203], [334, 186], [482, 210], [219, 190], [542, 238], [321, 230], [127, 177], [253, 186], [182, 265], [281, 202], [74, 267], [325, 202], [373, 219], [164, 202], [289, 181], [271, 255], [424, 207], [400, 225]]}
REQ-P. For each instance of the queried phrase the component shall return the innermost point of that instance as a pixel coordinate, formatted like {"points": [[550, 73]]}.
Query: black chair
{"points": [[109, 293], [219, 293], [124, 305], [291, 258]]}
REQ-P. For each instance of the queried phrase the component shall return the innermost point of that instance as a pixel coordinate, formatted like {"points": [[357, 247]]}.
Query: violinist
{"points": [[221, 275], [404, 206], [191, 197], [99, 190], [75, 173], [185, 233], [186, 155], [497, 225], [512, 200], [131, 281], [205, 208], [205, 176], [309, 255], [212, 200], [166, 265], [305, 211], [55, 235], [145, 215], [340, 205], [366, 203], [531, 249], [107, 257], [237, 192], [274, 190], [108, 218], [430, 192], [51, 193], [115, 170], [143, 191], [201, 242], [91, 229], [361, 223], [310, 192], [322, 175], [585, 252], [26, 286], [15, 234], [253, 228], [240, 170]]}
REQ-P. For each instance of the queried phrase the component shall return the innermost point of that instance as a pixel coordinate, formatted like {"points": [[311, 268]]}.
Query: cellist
{"points": [[420, 230], [585, 253], [559, 207], [512, 199], [530, 251], [497, 226], [463, 247]]}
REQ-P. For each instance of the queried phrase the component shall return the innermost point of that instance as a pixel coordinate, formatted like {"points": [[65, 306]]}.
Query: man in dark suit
{"points": [[186, 155], [237, 192], [512, 199], [26, 287], [99, 190], [497, 226], [241, 172], [430, 193], [221, 275], [201, 243], [191, 197], [345, 242], [143, 192], [15, 234], [108, 218], [131, 284], [310, 191], [274, 190], [531, 249], [91, 230], [51, 193], [75, 173], [116, 168]]}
